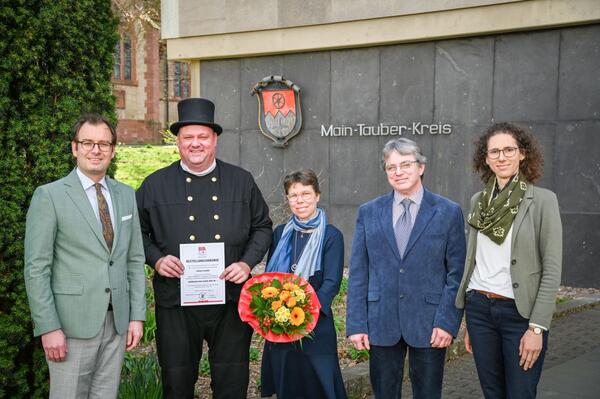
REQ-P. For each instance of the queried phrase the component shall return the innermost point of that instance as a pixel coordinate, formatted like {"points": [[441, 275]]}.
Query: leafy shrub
{"points": [[204, 365], [140, 377], [254, 354], [56, 63], [150, 323], [359, 355]]}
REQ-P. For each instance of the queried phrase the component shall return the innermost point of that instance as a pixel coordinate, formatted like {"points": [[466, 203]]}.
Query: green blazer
{"points": [[70, 273], [536, 256]]}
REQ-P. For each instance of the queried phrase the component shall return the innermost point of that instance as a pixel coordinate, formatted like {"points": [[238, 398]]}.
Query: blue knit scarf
{"points": [[310, 260]]}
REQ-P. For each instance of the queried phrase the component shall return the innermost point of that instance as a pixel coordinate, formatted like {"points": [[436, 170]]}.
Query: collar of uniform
{"points": [[86, 182], [203, 173], [416, 197]]}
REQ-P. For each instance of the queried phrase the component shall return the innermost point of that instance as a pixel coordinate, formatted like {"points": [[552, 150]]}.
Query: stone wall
{"points": [[547, 80]]}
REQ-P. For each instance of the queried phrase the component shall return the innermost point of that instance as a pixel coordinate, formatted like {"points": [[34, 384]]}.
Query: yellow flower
{"points": [[297, 316], [282, 315], [299, 294], [276, 305], [291, 302], [269, 292], [284, 295], [290, 287]]}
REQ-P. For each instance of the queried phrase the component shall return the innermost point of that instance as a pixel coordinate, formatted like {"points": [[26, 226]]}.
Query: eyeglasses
{"points": [[508, 152], [306, 196], [404, 166], [88, 145]]}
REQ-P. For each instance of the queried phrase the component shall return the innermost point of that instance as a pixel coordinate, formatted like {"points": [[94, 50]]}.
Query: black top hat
{"points": [[196, 111]]}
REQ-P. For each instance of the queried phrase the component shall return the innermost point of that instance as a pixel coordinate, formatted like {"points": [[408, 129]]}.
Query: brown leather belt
{"points": [[491, 295]]}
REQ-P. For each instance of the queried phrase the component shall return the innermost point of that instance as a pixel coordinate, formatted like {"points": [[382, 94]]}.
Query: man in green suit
{"points": [[84, 269]]}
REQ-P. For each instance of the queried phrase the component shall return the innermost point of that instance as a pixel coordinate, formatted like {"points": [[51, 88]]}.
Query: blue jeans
{"points": [[495, 328], [426, 370]]}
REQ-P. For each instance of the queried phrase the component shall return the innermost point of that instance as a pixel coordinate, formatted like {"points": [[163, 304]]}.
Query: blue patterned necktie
{"points": [[403, 227]]}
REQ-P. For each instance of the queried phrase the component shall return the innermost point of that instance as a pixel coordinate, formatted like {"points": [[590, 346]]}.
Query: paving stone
{"points": [[571, 336]]}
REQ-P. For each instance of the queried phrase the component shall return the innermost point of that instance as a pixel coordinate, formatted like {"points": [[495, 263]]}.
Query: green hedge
{"points": [[56, 58]]}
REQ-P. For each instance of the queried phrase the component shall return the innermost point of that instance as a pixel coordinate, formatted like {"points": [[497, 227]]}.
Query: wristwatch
{"points": [[536, 330]]}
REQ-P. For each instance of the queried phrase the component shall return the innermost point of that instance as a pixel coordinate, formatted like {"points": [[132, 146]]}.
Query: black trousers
{"points": [[496, 328], [426, 370], [179, 337]]}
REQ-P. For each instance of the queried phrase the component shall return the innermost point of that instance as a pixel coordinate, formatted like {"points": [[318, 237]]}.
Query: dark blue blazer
{"points": [[390, 297]]}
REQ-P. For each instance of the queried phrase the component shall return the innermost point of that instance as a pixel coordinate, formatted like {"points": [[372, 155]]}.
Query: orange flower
{"points": [[297, 316], [284, 295], [290, 286], [267, 321], [291, 302], [269, 292], [276, 305]]}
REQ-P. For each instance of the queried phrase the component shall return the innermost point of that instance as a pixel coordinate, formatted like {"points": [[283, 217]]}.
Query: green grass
{"points": [[134, 163]]}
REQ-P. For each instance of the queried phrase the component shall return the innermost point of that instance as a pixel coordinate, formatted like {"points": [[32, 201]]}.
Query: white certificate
{"points": [[200, 282]]}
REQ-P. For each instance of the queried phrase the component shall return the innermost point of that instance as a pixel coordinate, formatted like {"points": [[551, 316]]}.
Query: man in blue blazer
{"points": [[408, 255]]}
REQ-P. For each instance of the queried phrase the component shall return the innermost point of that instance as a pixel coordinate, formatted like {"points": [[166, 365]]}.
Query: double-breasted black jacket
{"points": [[177, 207]]}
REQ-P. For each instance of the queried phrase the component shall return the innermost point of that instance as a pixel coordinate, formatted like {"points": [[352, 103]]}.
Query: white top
{"points": [[90, 191], [492, 266]]}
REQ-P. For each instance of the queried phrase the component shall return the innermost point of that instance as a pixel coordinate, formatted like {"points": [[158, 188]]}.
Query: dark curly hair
{"points": [[531, 166]]}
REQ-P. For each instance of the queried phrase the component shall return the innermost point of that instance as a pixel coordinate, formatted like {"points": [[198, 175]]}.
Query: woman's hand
{"points": [[530, 348], [467, 341]]}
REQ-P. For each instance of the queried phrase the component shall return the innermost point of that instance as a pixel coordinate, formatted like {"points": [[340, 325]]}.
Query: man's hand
{"points": [[360, 341], [169, 266], [55, 345], [467, 341], [529, 349], [440, 338], [134, 334], [237, 272]]}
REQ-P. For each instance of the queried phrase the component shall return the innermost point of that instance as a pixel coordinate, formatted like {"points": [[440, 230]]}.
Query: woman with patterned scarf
{"points": [[309, 247], [513, 264]]}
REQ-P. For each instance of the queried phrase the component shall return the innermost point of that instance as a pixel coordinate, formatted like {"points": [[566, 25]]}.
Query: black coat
{"points": [[177, 207]]}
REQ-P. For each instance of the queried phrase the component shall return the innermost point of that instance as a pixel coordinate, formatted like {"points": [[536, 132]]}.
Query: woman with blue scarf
{"points": [[309, 247]]}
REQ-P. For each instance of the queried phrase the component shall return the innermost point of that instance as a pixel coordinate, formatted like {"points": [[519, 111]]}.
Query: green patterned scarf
{"points": [[494, 216]]}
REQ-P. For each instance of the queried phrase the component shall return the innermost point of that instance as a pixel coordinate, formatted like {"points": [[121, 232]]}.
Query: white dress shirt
{"points": [[90, 191]]}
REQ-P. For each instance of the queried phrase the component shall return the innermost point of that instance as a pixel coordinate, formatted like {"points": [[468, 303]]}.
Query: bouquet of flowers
{"points": [[282, 307]]}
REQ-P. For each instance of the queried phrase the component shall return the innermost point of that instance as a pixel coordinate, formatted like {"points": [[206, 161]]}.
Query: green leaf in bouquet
{"points": [[276, 329], [276, 283], [256, 302], [255, 287]]}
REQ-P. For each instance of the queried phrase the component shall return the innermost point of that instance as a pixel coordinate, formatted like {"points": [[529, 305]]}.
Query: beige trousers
{"points": [[92, 368]]}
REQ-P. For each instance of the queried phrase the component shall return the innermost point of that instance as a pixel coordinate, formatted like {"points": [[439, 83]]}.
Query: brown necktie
{"points": [[107, 229]]}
